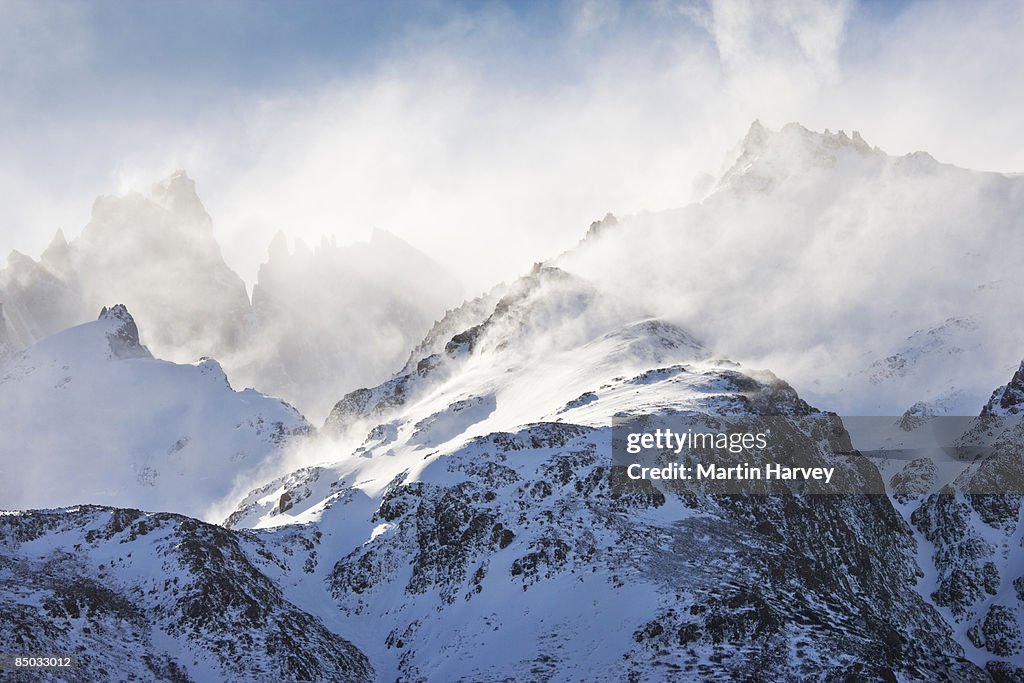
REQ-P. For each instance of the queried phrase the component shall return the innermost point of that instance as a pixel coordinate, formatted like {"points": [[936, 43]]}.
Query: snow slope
{"points": [[88, 415], [477, 531]]}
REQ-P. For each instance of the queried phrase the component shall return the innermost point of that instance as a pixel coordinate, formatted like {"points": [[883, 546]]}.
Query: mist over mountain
{"points": [[156, 254], [870, 281], [320, 322], [332, 317], [912, 259]]}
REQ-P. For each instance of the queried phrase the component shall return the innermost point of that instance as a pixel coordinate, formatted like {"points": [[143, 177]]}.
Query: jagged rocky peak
{"points": [[600, 227], [57, 254], [548, 311], [159, 256], [455, 320], [117, 312], [37, 301], [540, 274], [281, 257], [380, 240], [384, 258], [1009, 398], [499, 320], [177, 193], [364, 305], [765, 157], [155, 253], [171, 215], [542, 299], [761, 140], [537, 306], [124, 337]]}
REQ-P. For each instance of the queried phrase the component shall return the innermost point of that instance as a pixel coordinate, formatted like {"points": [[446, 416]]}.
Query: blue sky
{"points": [[139, 51], [470, 127]]}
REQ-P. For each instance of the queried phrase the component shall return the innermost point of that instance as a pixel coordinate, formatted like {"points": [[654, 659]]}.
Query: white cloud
{"points": [[753, 36], [491, 147]]}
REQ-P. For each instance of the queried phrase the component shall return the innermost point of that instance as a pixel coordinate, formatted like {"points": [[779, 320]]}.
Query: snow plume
{"points": [[329, 319], [488, 137], [869, 281]]}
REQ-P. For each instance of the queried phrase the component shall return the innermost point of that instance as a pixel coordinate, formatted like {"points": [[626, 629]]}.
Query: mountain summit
{"points": [[767, 157], [124, 340]]}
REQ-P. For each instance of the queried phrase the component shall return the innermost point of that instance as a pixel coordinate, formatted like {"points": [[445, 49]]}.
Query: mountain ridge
{"points": [[465, 519]]}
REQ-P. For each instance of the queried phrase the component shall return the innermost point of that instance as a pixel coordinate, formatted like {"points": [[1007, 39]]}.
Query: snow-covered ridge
{"points": [[88, 415], [550, 333], [157, 597], [469, 557]]}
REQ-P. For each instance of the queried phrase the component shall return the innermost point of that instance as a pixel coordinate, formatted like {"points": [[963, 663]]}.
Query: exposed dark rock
{"points": [[197, 584]]}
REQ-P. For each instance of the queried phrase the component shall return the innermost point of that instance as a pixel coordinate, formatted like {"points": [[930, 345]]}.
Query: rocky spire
{"points": [[124, 335]]}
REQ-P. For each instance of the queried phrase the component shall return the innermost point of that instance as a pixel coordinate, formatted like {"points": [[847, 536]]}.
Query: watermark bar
{"points": [[822, 454]]}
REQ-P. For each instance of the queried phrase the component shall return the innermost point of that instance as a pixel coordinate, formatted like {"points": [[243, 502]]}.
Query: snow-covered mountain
{"points": [[464, 520], [480, 532], [88, 415]]}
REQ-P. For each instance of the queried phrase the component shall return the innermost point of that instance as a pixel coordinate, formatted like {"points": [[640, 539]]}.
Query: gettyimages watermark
{"points": [[821, 454]]}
